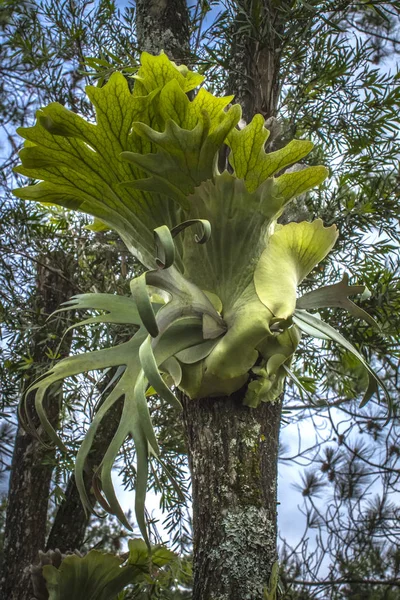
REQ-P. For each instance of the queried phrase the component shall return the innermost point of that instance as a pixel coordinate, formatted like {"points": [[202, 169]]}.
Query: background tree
{"points": [[320, 96]]}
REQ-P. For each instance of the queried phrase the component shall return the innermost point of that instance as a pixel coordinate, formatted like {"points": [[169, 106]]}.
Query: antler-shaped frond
{"points": [[174, 334]]}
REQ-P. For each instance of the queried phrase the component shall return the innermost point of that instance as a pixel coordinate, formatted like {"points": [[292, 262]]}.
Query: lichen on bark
{"points": [[248, 534], [233, 459], [163, 25]]}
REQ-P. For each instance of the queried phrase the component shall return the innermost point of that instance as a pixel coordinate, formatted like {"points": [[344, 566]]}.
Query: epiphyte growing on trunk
{"points": [[226, 312]]}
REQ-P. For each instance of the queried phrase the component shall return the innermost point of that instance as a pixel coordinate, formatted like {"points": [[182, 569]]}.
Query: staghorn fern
{"points": [[148, 169]]}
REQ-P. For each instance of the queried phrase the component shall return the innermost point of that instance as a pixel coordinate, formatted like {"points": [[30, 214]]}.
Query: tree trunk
{"points": [[255, 60], [68, 530], [233, 451], [163, 25], [32, 467]]}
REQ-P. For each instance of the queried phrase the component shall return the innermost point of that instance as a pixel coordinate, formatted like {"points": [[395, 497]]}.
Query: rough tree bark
{"points": [[233, 452], [68, 530], [163, 25], [255, 58], [32, 466]]}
